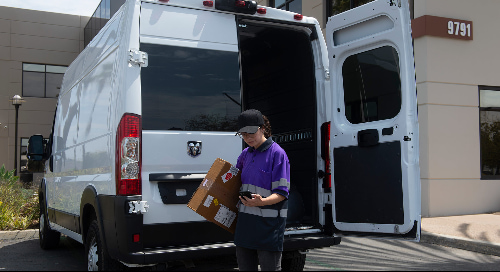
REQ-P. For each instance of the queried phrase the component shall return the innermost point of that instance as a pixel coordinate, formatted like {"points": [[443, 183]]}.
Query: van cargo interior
{"points": [[278, 79]]}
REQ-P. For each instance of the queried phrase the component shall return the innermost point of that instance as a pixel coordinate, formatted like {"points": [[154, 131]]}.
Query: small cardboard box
{"points": [[217, 196]]}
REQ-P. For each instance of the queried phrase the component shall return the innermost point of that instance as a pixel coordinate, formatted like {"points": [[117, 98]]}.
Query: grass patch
{"points": [[19, 208]]}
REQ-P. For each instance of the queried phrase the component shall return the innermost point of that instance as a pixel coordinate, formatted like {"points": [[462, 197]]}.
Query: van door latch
{"points": [[137, 57], [138, 207]]}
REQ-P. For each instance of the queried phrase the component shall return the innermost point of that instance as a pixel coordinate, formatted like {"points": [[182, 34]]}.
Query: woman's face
{"points": [[254, 140]]}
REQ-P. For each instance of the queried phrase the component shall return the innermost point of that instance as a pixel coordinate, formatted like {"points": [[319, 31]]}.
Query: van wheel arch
{"points": [[89, 211]]}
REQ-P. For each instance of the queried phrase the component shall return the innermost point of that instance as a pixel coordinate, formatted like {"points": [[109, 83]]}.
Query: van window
{"points": [[190, 89], [372, 85]]}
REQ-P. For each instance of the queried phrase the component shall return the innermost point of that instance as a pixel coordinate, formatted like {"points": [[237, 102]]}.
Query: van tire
{"points": [[97, 257], [49, 239], [293, 261]]}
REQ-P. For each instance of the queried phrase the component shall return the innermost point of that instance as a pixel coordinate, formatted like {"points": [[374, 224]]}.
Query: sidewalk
{"points": [[478, 233]]}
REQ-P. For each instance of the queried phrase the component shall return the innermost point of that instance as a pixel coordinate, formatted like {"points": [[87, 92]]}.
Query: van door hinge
{"points": [[327, 74], [138, 207], [137, 57]]}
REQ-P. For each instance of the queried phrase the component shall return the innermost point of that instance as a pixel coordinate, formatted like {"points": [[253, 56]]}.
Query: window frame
{"points": [[484, 109], [45, 73], [286, 5], [350, 89]]}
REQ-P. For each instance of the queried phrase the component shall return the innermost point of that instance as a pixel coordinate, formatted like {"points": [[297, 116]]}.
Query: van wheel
{"points": [[97, 257], [49, 239], [293, 261]]}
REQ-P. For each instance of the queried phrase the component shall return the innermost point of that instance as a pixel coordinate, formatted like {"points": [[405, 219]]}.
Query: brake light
{"points": [[325, 155], [298, 17], [208, 3], [261, 11], [128, 156], [240, 4], [137, 238]]}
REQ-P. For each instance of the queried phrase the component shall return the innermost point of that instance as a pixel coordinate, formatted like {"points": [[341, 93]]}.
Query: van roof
{"points": [[271, 13]]}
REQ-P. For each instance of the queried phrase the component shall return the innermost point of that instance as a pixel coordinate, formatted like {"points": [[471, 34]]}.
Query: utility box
{"points": [[217, 196]]}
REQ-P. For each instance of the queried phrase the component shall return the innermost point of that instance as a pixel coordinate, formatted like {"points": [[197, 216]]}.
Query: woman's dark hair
{"points": [[266, 127]]}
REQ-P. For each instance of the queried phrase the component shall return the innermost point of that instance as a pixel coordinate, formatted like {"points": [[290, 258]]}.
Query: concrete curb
{"points": [[461, 243], [19, 235]]}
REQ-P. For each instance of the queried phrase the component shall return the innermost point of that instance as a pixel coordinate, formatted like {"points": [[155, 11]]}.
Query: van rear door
{"points": [[190, 94], [374, 130]]}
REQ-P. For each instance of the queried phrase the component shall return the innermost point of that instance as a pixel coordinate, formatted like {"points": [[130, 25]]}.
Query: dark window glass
{"points": [[290, 5], [372, 85], [40, 80], [33, 84], [105, 10], [190, 89], [338, 6], [53, 84], [489, 115]]}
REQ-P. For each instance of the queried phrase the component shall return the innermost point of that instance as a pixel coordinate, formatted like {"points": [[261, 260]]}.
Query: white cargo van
{"points": [[152, 101]]}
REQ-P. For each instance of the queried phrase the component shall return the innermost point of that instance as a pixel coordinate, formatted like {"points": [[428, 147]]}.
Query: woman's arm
{"points": [[259, 201]]}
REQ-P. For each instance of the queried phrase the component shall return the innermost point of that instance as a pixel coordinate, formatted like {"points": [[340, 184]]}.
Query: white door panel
{"points": [[374, 133]]}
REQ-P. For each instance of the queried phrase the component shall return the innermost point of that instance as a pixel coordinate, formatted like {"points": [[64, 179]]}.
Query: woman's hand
{"points": [[259, 201]]}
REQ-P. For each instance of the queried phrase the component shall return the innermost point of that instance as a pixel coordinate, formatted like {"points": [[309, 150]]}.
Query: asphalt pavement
{"points": [[479, 233]]}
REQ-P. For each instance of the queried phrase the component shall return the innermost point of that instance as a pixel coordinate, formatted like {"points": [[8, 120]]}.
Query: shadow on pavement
{"points": [[366, 254], [16, 255]]}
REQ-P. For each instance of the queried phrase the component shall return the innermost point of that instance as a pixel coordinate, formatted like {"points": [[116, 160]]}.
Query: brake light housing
{"points": [[325, 155], [128, 160], [208, 4]]}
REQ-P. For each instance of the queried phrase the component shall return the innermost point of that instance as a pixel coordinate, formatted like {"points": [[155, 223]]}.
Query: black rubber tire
{"points": [[97, 257], [49, 239], [293, 261]]}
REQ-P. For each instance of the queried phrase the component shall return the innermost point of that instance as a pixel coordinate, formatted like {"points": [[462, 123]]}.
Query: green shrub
{"points": [[18, 205]]}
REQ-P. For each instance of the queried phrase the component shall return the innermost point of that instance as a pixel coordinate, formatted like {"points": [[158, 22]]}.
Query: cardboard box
{"points": [[217, 196]]}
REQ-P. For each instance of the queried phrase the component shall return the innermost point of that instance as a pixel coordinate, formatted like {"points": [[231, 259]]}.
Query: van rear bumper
{"points": [[187, 242], [162, 255]]}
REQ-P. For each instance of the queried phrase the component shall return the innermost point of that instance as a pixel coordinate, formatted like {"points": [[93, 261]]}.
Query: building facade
{"points": [[35, 49], [458, 87]]}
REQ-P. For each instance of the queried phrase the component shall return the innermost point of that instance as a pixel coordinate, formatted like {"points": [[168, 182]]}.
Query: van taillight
{"points": [[325, 155], [208, 3], [128, 156], [298, 17]]}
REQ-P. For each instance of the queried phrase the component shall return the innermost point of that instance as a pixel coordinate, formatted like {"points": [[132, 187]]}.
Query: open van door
{"points": [[374, 129]]}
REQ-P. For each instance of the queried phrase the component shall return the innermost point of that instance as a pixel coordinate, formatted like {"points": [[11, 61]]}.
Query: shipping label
{"points": [[233, 171], [208, 201], [225, 216]]}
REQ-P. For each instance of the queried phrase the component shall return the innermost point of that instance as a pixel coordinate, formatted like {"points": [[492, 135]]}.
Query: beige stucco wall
{"points": [[33, 37], [448, 74]]}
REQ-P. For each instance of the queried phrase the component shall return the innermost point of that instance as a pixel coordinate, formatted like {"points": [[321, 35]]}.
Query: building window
{"points": [[489, 117], [40, 80], [23, 158], [289, 5], [334, 7], [102, 14]]}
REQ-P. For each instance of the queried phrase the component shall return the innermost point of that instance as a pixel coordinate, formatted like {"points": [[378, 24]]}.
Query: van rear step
{"points": [[161, 255]]}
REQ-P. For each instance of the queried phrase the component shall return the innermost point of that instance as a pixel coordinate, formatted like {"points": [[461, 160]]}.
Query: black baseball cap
{"points": [[249, 121]]}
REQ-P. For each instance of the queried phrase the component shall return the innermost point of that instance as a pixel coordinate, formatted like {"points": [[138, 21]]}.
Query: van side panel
{"points": [[82, 131]]}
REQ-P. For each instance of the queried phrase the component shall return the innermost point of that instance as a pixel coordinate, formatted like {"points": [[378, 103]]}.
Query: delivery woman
{"points": [[265, 172]]}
